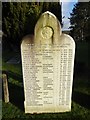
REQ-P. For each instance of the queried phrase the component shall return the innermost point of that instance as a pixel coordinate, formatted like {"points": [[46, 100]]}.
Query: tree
{"points": [[80, 21], [19, 19]]}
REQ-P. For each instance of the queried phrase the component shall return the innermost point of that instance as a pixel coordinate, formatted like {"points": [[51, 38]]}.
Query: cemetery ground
{"points": [[80, 97]]}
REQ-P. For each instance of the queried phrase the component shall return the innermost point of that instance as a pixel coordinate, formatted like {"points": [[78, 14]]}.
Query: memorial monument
{"points": [[47, 64]]}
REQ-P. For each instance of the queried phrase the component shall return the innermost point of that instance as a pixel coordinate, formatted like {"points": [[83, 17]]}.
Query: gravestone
{"points": [[47, 64], [5, 87]]}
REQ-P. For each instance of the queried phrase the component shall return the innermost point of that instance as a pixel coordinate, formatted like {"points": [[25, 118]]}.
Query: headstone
{"points": [[47, 64], [5, 88]]}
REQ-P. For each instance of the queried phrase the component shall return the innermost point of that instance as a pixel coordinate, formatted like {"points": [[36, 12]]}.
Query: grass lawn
{"points": [[80, 98]]}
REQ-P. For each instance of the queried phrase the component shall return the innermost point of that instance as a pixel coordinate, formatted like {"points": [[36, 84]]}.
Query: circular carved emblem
{"points": [[47, 32]]}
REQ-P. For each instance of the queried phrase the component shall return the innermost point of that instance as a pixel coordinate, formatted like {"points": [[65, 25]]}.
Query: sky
{"points": [[67, 6]]}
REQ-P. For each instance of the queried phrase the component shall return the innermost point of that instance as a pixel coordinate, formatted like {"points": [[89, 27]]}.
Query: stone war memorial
{"points": [[47, 65]]}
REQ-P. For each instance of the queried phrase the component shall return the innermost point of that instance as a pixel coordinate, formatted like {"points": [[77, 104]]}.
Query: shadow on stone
{"points": [[82, 99]]}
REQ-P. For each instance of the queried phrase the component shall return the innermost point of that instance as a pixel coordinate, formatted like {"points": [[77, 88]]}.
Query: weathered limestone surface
{"points": [[5, 88], [47, 64]]}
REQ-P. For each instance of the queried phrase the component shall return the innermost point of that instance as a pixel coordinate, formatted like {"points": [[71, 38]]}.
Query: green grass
{"points": [[15, 68], [78, 112], [81, 92]]}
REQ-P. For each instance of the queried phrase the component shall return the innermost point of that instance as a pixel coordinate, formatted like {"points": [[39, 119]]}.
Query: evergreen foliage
{"points": [[19, 19], [80, 21]]}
